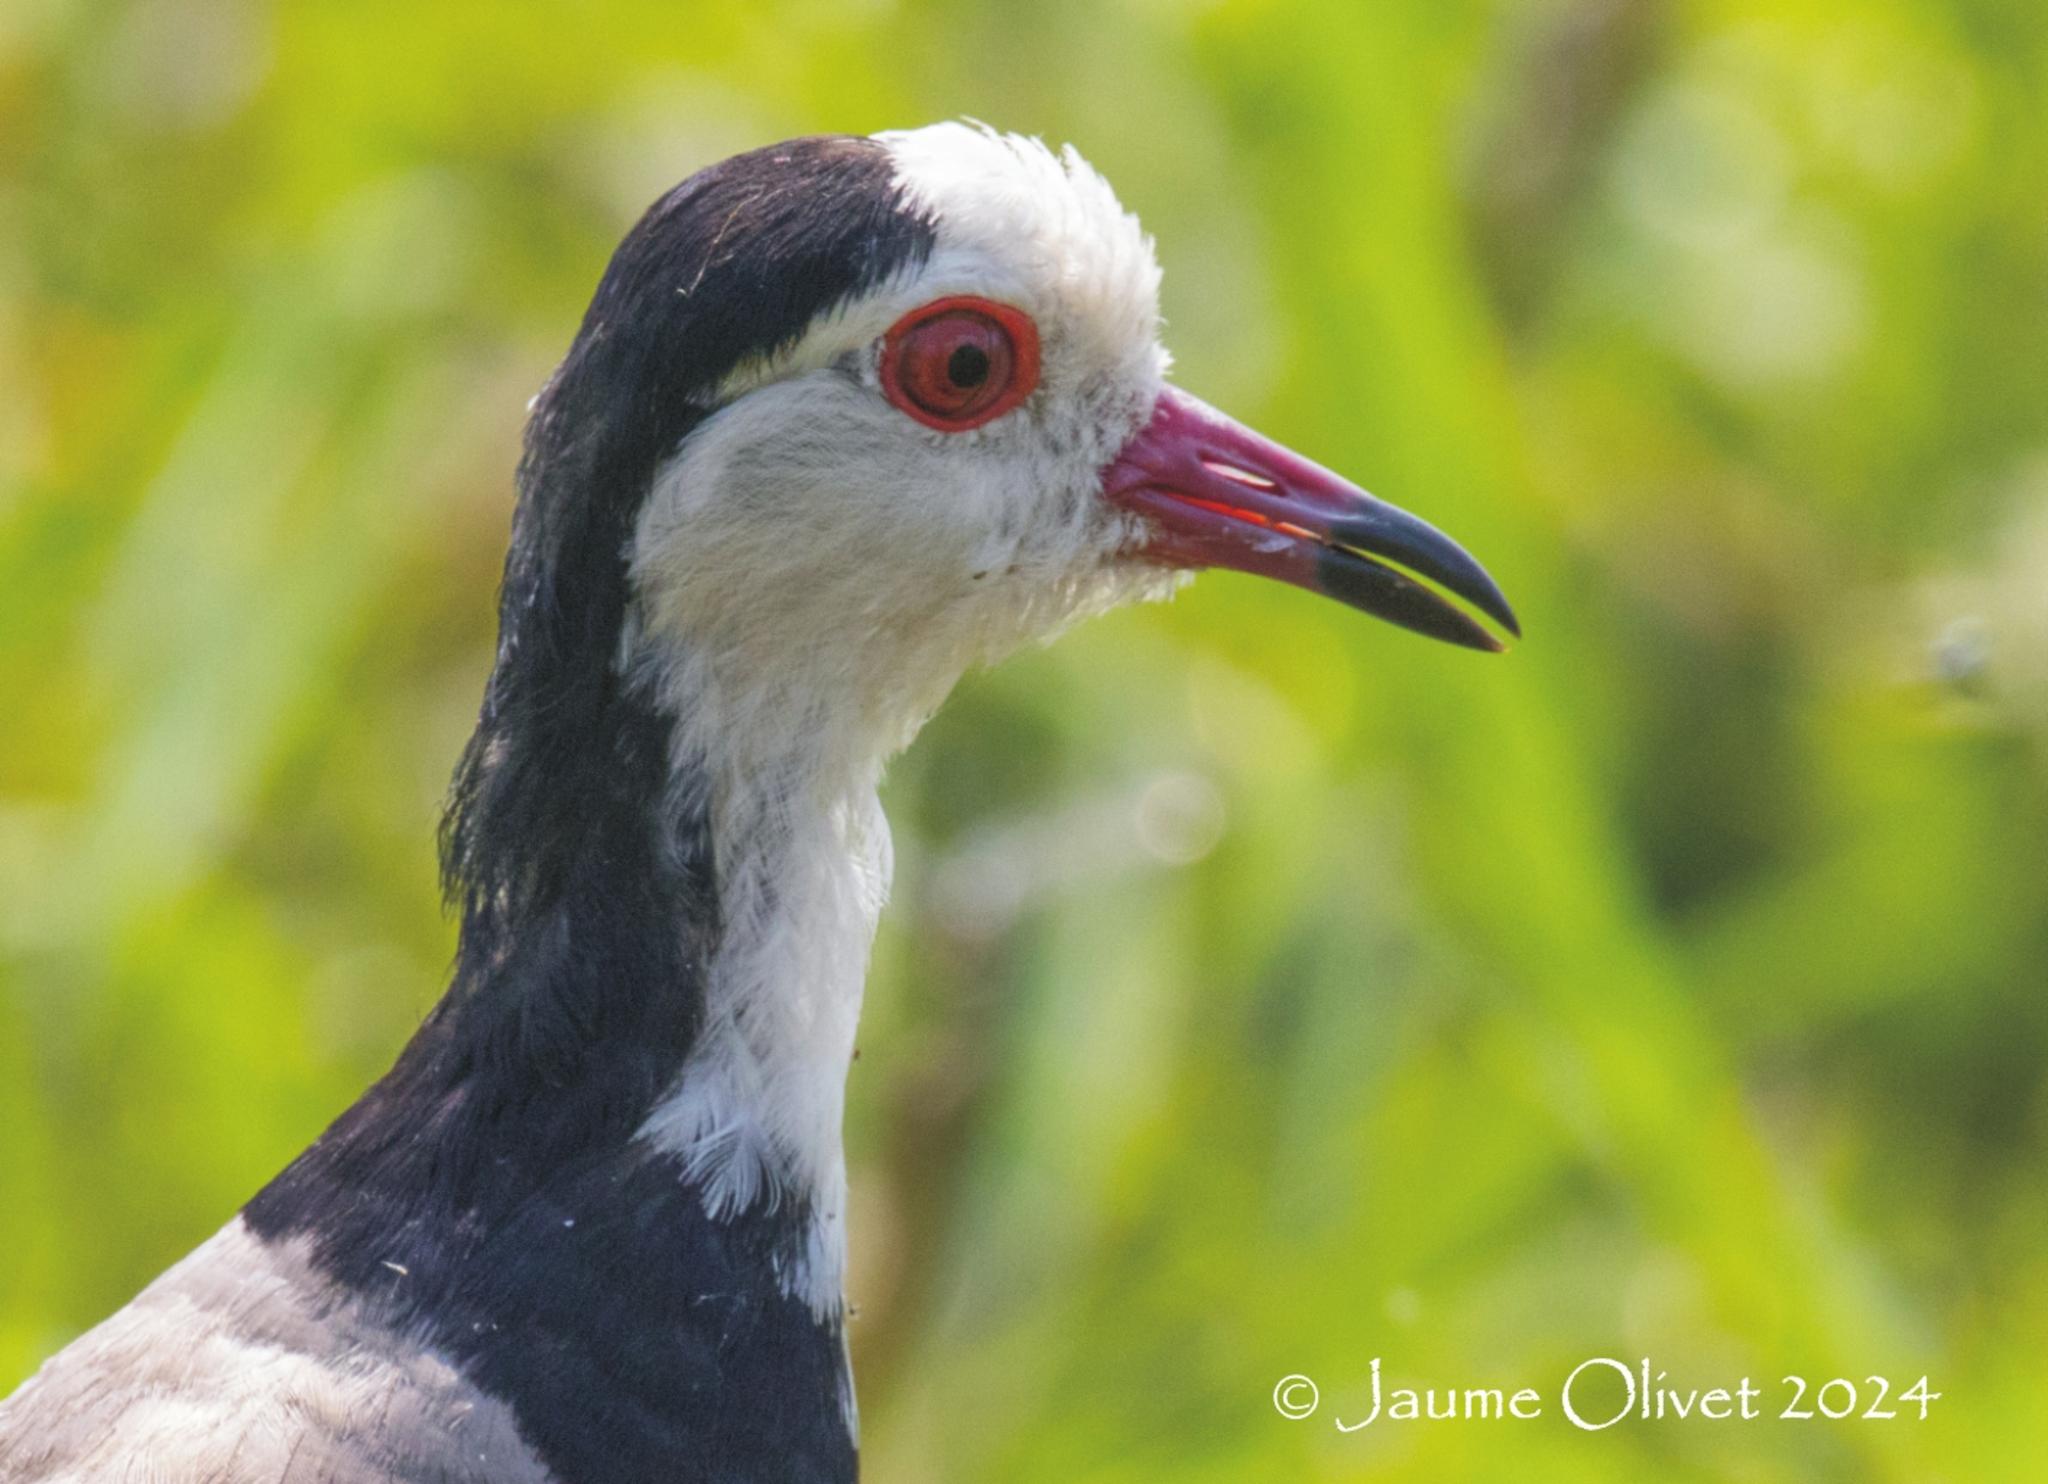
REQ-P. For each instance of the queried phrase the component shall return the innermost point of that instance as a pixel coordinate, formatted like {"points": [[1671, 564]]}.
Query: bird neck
{"points": [[646, 956], [662, 961]]}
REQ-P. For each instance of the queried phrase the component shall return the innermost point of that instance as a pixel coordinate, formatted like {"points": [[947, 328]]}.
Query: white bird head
{"points": [[966, 442]]}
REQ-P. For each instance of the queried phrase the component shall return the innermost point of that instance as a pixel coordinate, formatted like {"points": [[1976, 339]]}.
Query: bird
{"points": [[847, 417]]}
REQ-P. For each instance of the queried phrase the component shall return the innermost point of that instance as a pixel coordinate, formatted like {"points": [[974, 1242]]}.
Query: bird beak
{"points": [[1213, 493]]}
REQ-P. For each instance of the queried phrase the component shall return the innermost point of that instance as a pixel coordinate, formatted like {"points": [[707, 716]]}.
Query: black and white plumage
{"points": [[845, 418]]}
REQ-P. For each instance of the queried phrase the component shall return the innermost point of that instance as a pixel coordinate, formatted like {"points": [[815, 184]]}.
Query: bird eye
{"points": [[957, 363]]}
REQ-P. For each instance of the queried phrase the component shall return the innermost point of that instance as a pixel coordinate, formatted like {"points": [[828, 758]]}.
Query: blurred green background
{"points": [[1264, 990]]}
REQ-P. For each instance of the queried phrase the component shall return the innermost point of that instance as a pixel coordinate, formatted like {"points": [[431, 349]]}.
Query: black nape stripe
{"points": [[489, 1187]]}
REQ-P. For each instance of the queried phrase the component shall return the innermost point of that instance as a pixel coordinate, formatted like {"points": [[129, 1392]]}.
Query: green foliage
{"points": [[1265, 990]]}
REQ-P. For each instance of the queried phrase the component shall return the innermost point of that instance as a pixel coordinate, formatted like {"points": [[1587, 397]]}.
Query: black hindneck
{"points": [[490, 1193]]}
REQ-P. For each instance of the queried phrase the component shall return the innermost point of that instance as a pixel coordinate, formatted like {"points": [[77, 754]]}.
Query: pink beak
{"points": [[1213, 493]]}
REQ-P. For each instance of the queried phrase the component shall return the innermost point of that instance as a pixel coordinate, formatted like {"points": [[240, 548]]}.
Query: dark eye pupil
{"points": [[967, 366]]}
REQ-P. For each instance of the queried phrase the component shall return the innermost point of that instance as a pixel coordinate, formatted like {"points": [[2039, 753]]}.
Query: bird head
{"points": [[850, 415]]}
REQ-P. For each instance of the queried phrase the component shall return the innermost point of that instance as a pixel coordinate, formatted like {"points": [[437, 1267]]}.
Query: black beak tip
{"points": [[1502, 614], [1396, 536], [1372, 587], [1480, 590]]}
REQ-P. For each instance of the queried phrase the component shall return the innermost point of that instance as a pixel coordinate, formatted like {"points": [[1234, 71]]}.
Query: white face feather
{"points": [[815, 569]]}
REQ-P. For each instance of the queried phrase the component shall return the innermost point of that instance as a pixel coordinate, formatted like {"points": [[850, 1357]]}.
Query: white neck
{"points": [[803, 864]]}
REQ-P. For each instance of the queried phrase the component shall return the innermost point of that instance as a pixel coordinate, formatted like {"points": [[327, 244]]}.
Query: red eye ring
{"points": [[959, 362]]}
